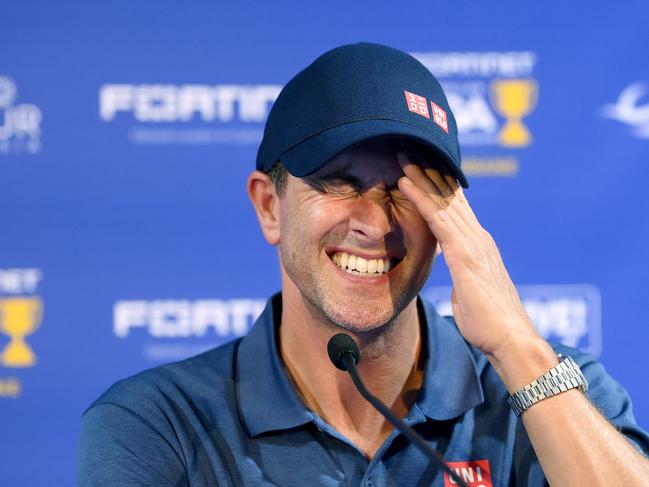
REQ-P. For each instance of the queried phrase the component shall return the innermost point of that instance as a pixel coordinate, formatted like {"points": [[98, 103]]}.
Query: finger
{"points": [[467, 212], [440, 181], [456, 239], [442, 224], [464, 220], [430, 182], [433, 171], [468, 216], [451, 181], [424, 159], [452, 191], [416, 174]]}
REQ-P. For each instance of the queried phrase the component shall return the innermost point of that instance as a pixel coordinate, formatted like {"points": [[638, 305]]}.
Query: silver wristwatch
{"points": [[560, 378]]}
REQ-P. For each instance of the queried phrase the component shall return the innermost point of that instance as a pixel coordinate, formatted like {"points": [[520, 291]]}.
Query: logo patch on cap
{"points": [[475, 473], [439, 116], [417, 104]]}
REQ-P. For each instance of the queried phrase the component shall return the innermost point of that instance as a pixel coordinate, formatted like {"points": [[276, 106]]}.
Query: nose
{"points": [[371, 217]]}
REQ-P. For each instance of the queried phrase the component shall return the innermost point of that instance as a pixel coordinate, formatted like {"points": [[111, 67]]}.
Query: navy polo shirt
{"points": [[231, 417]]}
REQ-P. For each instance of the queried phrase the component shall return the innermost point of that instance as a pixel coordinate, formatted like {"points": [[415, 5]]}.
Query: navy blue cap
{"points": [[354, 93]]}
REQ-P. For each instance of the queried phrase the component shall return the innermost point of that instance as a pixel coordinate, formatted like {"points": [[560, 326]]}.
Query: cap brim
{"points": [[313, 153]]}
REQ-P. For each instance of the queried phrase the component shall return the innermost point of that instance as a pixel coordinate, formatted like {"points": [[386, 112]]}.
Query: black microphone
{"points": [[344, 354]]}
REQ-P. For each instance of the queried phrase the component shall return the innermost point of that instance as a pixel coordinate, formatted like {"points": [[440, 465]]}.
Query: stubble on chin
{"points": [[359, 314]]}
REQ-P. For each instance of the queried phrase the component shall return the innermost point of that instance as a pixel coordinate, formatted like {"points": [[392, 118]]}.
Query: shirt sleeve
{"points": [[118, 447], [612, 400]]}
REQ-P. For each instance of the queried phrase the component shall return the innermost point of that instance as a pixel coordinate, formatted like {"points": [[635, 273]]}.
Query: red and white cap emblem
{"points": [[417, 104], [439, 116]]}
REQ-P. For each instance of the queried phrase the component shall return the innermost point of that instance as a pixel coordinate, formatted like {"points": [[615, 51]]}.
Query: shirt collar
{"points": [[268, 401], [451, 381]]}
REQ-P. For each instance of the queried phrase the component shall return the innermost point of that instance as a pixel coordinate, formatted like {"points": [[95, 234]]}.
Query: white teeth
{"points": [[359, 265]]}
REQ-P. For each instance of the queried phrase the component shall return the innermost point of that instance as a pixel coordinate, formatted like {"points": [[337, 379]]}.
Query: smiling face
{"points": [[353, 249]]}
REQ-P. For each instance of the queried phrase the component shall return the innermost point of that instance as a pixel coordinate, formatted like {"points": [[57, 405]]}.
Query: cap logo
{"points": [[439, 116], [417, 104]]}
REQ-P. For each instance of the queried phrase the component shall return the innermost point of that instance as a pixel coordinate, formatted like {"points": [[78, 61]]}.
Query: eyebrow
{"points": [[341, 174]]}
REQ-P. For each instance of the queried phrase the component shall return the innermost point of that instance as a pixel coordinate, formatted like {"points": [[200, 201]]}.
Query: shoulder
{"points": [[146, 426], [188, 383]]}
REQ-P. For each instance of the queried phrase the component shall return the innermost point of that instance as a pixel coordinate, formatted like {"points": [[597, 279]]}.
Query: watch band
{"points": [[564, 376]]}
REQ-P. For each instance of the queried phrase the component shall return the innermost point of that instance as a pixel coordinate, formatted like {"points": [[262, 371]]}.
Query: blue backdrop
{"points": [[127, 130]]}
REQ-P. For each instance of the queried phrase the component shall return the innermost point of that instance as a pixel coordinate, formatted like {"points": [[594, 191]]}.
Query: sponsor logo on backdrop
{"points": [[176, 329], [491, 95], [20, 123], [21, 314], [632, 109], [569, 314], [194, 114]]}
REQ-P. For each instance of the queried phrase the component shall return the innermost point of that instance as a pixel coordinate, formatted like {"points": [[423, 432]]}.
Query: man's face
{"points": [[350, 243]]}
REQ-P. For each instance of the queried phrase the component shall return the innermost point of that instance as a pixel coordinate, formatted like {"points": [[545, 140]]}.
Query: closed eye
{"points": [[336, 185]]}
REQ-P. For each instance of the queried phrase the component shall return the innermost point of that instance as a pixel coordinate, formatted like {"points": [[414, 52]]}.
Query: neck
{"points": [[389, 366]]}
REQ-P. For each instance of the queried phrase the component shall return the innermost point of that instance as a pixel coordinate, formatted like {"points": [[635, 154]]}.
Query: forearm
{"points": [[574, 443]]}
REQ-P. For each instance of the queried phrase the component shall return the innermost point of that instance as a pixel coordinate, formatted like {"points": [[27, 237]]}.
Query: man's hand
{"points": [[486, 306], [568, 434]]}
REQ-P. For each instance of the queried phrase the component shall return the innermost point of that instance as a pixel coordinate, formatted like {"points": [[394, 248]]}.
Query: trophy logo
{"points": [[19, 317], [514, 99]]}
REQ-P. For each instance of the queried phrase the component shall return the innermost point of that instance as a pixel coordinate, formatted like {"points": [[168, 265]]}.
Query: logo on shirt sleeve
{"points": [[475, 473], [417, 104]]}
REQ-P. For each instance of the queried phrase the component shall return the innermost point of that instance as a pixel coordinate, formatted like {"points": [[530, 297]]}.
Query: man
{"points": [[357, 186]]}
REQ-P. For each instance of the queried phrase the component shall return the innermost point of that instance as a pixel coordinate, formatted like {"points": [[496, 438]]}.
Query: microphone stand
{"points": [[349, 362]]}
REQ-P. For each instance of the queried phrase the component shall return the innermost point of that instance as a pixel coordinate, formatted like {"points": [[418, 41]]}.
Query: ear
{"points": [[266, 202]]}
